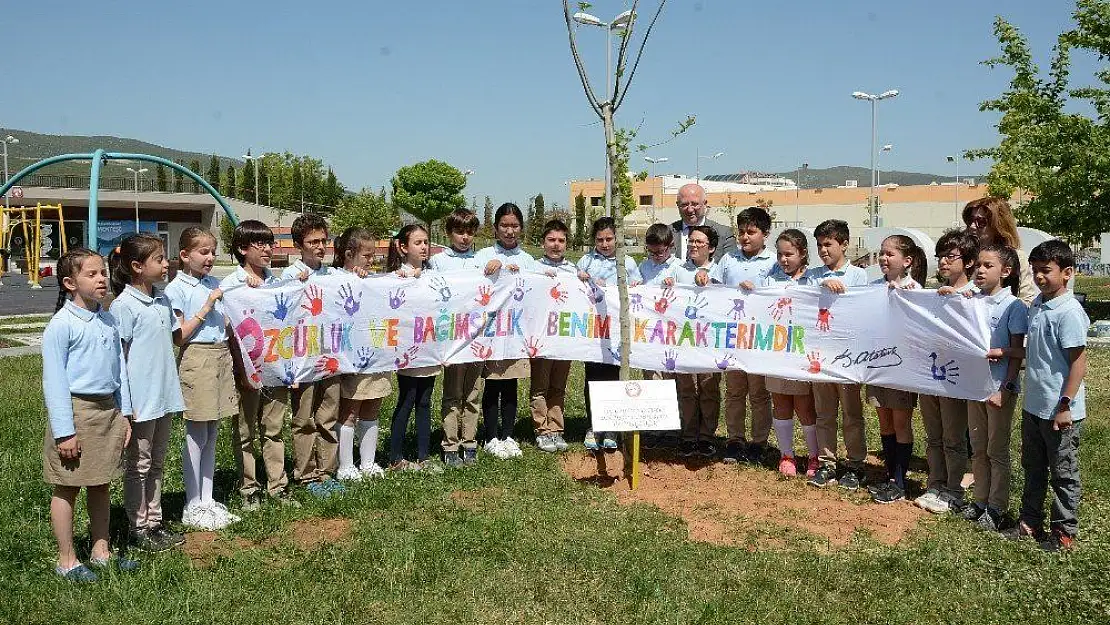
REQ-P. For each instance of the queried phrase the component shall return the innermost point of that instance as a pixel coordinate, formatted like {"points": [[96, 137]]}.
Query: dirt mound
{"points": [[749, 507], [204, 549]]}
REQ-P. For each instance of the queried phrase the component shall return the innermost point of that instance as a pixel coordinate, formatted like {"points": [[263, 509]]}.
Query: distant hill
{"points": [[835, 176]]}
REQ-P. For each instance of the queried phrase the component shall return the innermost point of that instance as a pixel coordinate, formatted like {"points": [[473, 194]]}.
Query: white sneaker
{"points": [[495, 448], [194, 516], [512, 449], [349, 474], [931, 502], [372, 471], [221, 516]]}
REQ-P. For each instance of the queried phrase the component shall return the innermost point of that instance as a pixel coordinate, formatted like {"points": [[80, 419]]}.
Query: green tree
{"points": [[367, 209], [160, 177], [178, 178], [229, 182], [579, 220], [487, 218], [428, 190], [333, 191], [194, 166], [297, 186], [246, 182], [536, 220], [1051, 147], [227, 231], [213, 173], [264, 188]]}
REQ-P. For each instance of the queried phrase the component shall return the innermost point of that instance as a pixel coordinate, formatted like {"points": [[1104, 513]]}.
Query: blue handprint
{"points": [[694, 304], [948, 372], [442, 289], [396, 298], [670, 360], [365, 355], [615, 353], [290, 375], [281, 307], [347, 299]]}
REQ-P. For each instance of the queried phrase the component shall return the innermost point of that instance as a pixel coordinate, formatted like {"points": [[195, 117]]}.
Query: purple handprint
{"points": [[637, 302], [724, 362], [670, 360], [396, 298], [737, 311], [347, 299], [519, 290]]}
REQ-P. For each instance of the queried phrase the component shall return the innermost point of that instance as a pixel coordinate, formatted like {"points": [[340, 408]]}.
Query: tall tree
{"points": [[297, 183], [367, 209], [213, 173], [428, 190], [487, 217], [246, 182], [178, 178], [579, 220], [194, 166], [230, 188], [539, 217], [1051, 148], [160, 177], [264, 187], [333, 191]]}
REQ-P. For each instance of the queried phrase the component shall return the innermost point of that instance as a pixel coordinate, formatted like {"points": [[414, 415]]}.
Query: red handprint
{"points": [[783, 306], [481, 350], [405, 358], [664, 301], [823, 319], [814, 358], [327, 364], [557, 294], [485, 292], [532, 346], [315, 304]]}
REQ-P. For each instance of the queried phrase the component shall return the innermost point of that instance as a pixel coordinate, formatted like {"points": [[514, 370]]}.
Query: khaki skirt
{"points": [[364, 386], [508, 369], [783, 386], [882, 397], [101, 431], [207, 381]]}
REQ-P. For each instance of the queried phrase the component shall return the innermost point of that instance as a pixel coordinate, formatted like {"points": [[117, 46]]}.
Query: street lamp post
{"points": [[619, 22], [956, 159], [137, 172], [879, 172], [798, 195], [872, 208], [4, 222], [697, 167], [654, 162]]}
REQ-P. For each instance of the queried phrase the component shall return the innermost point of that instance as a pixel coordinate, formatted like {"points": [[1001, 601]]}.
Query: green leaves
{"points": [[367, 209], [429, 190]]}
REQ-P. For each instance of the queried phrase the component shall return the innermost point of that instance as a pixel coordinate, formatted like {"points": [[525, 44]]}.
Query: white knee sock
{"points": [[810, 432], [208, 462], [196, 435], [367, 443], [784, 433], [346, 447]]}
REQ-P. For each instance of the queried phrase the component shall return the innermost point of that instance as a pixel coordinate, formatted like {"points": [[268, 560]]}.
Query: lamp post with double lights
{"points": [[956, 159], [872, 208], [654, 162], [697, 167], [4, 222], [137, 173]]}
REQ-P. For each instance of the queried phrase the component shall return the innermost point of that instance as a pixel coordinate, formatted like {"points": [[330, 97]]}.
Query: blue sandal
{"points": [[122, 563], [80, 574]]}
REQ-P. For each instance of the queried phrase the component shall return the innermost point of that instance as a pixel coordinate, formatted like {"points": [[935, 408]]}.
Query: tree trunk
{"points": [[614, 201]]}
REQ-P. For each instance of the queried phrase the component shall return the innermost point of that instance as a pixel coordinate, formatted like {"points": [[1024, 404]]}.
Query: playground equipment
{"points": [[32, 240]]}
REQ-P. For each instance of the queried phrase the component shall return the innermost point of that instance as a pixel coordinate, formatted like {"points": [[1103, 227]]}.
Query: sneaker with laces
{"points": [[936, 503], [372, 471], [511, 448], [219, 514], [733, 451], [888, 493], [546, 442], [989, 520], [251, 503], [469, 455], [811, 466], [145, 540], [79, 573], [196, 515], [849, 480], [824, 476], [495, 448], [452, 459], [349, 474], [1058, 541], [972, 511], [753, 453], [954, 500], [787, 467], [707, 449], [687, 449], [560, 443], [1023, 531], [590, 441]]}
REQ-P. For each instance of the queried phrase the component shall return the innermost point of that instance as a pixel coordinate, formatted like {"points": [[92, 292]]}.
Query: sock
{"points": [[346, 447], [890, 455], [810, 432], [208, 462], [784, 434], [196, 433], [367, 443], [905, 452]]}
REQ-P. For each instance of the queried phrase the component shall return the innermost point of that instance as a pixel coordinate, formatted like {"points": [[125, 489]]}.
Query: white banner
{"points": [[912, 340]]}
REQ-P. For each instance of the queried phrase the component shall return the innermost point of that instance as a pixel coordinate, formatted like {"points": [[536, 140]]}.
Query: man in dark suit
{"points": [[692, 206]]}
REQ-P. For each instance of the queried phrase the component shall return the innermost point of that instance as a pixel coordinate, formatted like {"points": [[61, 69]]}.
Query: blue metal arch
{"points": [[98, 158]]}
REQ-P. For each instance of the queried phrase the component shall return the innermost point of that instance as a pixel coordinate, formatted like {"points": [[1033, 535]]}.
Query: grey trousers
{"points": [[1050, 457]]}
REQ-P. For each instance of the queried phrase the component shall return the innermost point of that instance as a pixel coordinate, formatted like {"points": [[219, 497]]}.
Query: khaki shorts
{"points": [[207, 381], [101, 431], [363, 386], [783, 386], [508, 369], [883, 397]]}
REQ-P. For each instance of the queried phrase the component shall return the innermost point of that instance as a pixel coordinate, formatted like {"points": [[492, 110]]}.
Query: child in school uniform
{"points": [[361, 394], [408, 257], [746, 267], [85, 386], [790, 397], [261, 410], [699, 394], [462, 383], [658, 268], [903, 265], [945, 418], [837, 275], [1055, 400], [315, 404], [549, 377], [499, 397], [204, 365], [998, 279], [599, 268], [146, 324]]}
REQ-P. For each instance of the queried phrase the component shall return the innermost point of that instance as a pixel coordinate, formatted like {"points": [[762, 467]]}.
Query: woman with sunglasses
{"points": [[992, 222]]}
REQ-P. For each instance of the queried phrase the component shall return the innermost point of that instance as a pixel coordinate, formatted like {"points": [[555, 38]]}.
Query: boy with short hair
{"points": [[746, 267], [829, 397], [549, 377], [658, 266], [462, 383], [261, 411], [1054, 405], [315, 404]]}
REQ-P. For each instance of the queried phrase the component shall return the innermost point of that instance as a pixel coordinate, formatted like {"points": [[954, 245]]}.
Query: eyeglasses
{"points": [[263, 244], [953, 257], [978, 221], [690, 204], [315, 241]]}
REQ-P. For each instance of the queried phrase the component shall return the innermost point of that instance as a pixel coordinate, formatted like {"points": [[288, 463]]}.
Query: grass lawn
{"points": [[521, 542]]}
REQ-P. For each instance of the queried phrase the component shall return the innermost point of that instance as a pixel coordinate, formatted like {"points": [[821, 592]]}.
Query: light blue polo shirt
{"points": [[849, 274], [451, 259], [81, 355], [146, 326], [1054, 327], [187, 295], [777, 277], [239, 278], [1006, 315], [298, 267], [604, 268], [907, 282], [515, 256], [736, 267], [654, 273], [545, 264], [687, 271]]}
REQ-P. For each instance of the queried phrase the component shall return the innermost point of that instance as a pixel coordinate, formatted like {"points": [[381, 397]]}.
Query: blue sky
{"points": [[489, 85]]}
